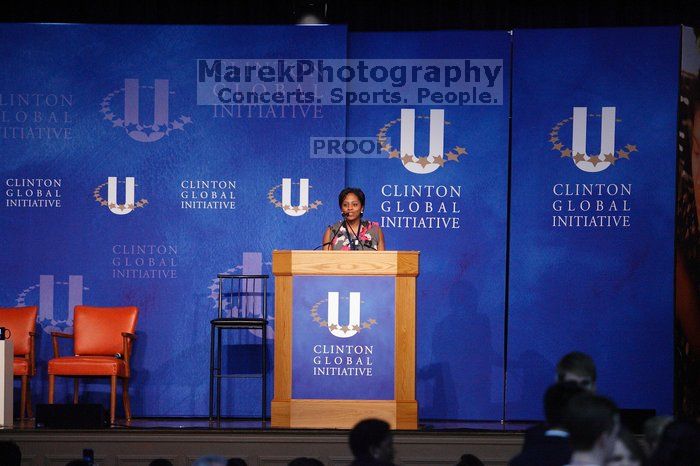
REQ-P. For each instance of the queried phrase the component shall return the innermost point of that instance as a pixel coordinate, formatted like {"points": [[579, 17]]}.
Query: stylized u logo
{"points": [[408, 140], [607, 140], [46, 297], [343, 331], [295, 211], [160, 111], [114, 207]]}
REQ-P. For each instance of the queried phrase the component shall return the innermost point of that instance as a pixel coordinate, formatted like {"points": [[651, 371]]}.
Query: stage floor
{"points": [[256, 424], [182, 440]]}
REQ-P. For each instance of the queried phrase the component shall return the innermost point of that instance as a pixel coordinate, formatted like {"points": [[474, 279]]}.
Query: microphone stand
{"points": [[334, 234]]}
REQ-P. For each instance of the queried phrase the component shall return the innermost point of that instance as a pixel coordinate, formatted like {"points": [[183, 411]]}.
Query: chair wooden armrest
{"points": [[54, 339], [32, 355], [128, 341]]}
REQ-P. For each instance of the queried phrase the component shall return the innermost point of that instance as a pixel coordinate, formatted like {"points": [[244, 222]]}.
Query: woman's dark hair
{"points": [[356, 191]]}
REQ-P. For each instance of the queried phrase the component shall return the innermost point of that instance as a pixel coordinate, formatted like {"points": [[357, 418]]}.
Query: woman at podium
{"points": [[352, 233]]}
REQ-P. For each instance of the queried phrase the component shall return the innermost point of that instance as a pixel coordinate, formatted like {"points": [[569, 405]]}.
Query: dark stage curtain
{"points": [[368, 15]]}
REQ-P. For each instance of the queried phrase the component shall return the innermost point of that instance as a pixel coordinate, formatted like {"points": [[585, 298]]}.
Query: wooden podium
{"points": [[401, 412]]}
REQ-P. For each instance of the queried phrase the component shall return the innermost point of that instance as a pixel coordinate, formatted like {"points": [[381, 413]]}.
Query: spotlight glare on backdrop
{"points": [[310, 13]]}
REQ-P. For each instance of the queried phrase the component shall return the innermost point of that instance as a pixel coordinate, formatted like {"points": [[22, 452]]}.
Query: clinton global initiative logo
{"points": [[208, 194], [144, 261], [114, 206], [33, 192], [286, 202], [49, 318], [126, 114], [36, 115], [406, 152], [591, 163], [353, 325], [251, 302]]}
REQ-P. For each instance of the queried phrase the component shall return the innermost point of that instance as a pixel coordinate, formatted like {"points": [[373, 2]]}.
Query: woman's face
{"points": [[621, 456], [351, 206]]}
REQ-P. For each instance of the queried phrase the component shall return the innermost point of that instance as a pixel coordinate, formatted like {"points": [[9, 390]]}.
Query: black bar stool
{"points": [[245, 297]]}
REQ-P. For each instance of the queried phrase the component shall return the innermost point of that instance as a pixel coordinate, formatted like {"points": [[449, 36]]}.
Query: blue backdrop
{"points": [[243, 153], [461, 294], [574, 284], [122, 185]]}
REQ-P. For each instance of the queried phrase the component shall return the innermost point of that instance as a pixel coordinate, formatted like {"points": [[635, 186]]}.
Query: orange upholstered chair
{"points": [[102, 341], [22, 321]]}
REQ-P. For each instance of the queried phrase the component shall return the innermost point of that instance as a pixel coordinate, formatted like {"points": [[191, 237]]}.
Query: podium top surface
{"points": [[301, 262]]}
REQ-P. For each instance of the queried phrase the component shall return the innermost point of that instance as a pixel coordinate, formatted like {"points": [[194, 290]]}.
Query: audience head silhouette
{"points": [[210, 460], [579, 368], [469, 460], [653, 429], [10, 454], [236, 462], [371, 442], [593, 425], [556, 398], [304, 461], [679, 445], [627, 451], [160, 462]]}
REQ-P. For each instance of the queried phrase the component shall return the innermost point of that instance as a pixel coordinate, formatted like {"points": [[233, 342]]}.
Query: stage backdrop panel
{"points": [[438, 184], [592, 208], [119, 188]]}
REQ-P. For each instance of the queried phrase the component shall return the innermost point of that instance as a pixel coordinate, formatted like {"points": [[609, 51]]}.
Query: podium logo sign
{"points": [[406, 152], [333, 323], [286, 203], [160, 126], [336, 354], [591, 163]]}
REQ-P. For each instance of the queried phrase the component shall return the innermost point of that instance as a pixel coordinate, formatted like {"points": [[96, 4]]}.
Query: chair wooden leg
{"points": [[112, 398], [30, 412], [23, 398], [51, 387], [76, 386], [125, 398]]}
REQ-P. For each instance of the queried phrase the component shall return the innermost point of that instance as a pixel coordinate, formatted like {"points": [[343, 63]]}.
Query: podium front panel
{"points": [[345, 332], [343, 345]]}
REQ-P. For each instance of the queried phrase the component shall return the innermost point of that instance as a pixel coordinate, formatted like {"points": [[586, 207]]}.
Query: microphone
{"points": [[344, 214]]}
